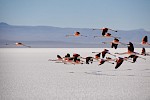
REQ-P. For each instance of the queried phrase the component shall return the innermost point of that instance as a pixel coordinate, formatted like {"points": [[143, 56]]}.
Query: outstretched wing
{"points": [[145, 39], [119, 62]]}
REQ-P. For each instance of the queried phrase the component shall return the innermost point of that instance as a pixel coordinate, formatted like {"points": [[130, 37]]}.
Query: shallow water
{"points": [[26, 74]]}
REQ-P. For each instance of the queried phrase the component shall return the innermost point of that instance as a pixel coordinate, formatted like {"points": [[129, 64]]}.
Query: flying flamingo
{"points": [[21, 44], [88, 59], [102, 61], [144, 53], [67, 56], [76, 34], [130, 49], [119, 61], [75, 59], [104, 52], [135, 57], [58, 60], [97, 56], [105, 34], [114, 43], [145, 41]]}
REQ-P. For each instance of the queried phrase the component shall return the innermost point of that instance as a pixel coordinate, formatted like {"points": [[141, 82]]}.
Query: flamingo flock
{"points": [[101, 57]]}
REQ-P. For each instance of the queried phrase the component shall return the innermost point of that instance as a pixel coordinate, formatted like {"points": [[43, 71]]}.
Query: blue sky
{"points": [[115, 14]]}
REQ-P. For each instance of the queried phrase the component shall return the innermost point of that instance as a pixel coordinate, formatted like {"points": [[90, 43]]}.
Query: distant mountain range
{"points": [[57, 35]]}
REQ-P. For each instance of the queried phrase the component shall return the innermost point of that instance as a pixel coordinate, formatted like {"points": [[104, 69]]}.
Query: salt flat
{"points": [[26, 74]]}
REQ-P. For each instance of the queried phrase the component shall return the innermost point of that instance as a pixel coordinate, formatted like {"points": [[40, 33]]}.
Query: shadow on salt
{"points": [[104, 74]]}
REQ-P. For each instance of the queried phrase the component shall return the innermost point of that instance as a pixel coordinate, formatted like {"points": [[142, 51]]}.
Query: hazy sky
{"points": [[116, 14]]}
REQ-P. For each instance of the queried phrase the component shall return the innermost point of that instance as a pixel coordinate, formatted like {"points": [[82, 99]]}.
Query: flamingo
{"points": [[76, 34], [58, 60], [135, 57], [130, 49], [97, 56], [145, 41], [67, 56], [104, 52], [75, 59], [105, 34], [144, 53], [88, 59], [21, 44], [102, 61], [119, 61], [114, 43]]}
